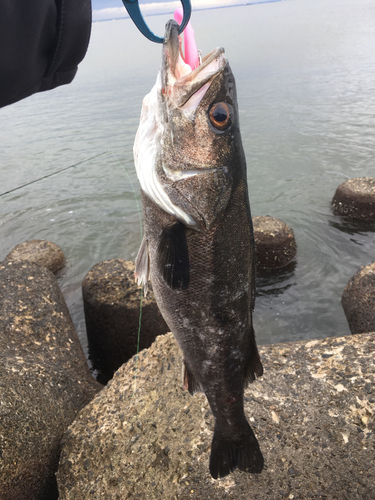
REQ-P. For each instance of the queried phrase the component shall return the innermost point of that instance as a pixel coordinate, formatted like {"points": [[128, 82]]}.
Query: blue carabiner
{"points": [[132, 6]]}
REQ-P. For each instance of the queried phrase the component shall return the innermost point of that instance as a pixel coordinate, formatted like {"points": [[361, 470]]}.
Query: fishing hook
{"points": [[134, 11]]}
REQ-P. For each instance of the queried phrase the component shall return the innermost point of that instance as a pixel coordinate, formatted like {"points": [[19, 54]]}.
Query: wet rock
{"points": [[44, 380], [275, 243], [112, 302], [41, 252], [358, 300], [144, 437], [355, 199]]}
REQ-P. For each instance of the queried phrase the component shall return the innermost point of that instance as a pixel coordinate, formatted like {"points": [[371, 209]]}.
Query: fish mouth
{"points": [[183, 87]]}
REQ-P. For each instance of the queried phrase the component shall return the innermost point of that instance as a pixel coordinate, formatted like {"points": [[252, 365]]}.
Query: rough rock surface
{"points": [[358, 300], [44, 380], [355, 199], [41, 252], [111, 301], [143, 437], [274, 241]]}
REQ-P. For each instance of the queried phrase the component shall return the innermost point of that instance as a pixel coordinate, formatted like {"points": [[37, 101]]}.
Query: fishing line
{"points": [[141, 299], [140, 228], [134, 192], [139, 337], [54, 173]]}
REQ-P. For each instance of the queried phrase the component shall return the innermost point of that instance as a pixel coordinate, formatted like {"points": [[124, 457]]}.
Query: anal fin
{"points": [[254, 367], [189, 382], [142, 266], [173, 257]]}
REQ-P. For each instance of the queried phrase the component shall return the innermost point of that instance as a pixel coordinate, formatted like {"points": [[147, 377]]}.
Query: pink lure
{"points": [[191, 51]]}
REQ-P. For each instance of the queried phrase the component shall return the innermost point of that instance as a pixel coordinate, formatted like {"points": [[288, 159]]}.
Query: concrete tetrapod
{"points": [[144, 437], [358, 300], [112, 303], [274, 241], [355, 199], [44, 380], [41, 252]]}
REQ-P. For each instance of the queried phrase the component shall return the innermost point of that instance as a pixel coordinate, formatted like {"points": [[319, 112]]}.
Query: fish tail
{"points": [[228, 454]]}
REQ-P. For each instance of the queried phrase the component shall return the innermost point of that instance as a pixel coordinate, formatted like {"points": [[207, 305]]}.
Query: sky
{"points": [[114, 9]]}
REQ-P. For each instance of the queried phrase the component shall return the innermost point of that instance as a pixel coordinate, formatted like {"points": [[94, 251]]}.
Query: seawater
{"points": [[306, 89]]}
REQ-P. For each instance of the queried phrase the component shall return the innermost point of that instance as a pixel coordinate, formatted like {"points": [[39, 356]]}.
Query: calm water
{"points": [[306, 85]]}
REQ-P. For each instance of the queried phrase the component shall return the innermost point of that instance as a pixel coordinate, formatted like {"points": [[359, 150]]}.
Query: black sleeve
{"points": [[41, 44]]}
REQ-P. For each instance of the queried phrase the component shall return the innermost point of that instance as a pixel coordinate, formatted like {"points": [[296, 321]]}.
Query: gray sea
{"points": [[305, 72]]}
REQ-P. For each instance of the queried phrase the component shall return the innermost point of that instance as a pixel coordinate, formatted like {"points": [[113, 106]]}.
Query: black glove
{"points": [[41, 44]]}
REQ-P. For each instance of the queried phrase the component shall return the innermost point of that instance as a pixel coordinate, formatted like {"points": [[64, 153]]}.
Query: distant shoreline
{"points": [[246, 4]]}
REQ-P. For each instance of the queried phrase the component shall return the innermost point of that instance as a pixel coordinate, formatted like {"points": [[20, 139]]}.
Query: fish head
{"points": [[198, 156]]}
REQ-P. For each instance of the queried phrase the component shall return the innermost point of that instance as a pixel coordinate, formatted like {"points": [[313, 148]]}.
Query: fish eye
{"points": [[219, 115]]}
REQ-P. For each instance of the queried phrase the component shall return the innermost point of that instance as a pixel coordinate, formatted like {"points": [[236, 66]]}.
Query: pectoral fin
{"points": [[173, 257], [142, 266]]}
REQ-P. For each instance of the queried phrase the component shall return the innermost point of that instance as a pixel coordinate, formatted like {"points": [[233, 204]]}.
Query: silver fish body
{"points": [[198, 249]]}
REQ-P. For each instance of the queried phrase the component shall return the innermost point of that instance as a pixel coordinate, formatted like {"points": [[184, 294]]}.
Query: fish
{"points": [[198, 247]]}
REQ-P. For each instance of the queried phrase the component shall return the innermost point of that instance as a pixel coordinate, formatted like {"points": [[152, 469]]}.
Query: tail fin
{"points": [[227, 455]]}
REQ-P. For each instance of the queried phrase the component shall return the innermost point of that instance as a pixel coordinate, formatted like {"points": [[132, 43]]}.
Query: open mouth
{"points": [[184, 87]]}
